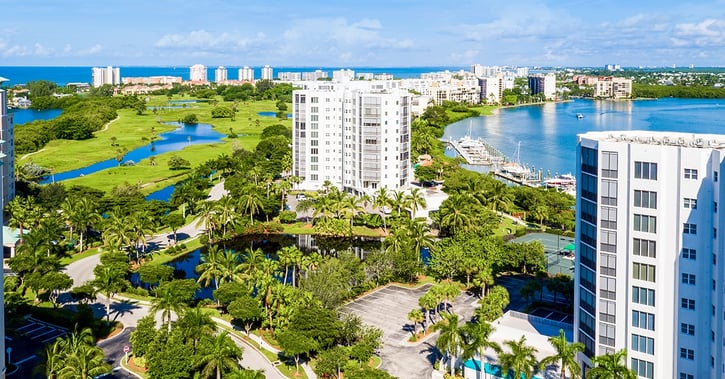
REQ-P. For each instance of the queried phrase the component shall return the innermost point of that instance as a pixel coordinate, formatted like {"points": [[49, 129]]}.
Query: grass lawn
{"points": [[132, 131]]}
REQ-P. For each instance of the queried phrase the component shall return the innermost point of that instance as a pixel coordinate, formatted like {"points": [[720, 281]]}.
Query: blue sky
{"points": [[372, 33]]}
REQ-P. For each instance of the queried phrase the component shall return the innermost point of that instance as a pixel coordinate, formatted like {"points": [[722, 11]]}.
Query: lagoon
{"points": [[184, 135], [25, 115], [547, 132]]}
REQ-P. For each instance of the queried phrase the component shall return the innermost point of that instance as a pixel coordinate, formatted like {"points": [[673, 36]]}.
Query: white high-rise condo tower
{"points": [[246, 73], [267, 73], [197, 73], [7, 150], [355, 135], [220, 74], [106, 75], [7, 122], [650, 272]]}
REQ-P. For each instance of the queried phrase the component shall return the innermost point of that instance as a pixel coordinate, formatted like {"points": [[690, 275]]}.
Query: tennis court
{"points": [[559, 251]]}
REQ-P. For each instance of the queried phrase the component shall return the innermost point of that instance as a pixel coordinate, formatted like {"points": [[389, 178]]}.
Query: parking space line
{"points": [[26, 326]]}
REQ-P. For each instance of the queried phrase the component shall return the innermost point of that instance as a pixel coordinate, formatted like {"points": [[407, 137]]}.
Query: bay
{"points": [[547, 133], [22, 116]]}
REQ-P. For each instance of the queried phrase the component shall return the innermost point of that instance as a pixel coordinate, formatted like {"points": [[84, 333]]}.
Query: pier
{"points": [[526, 180], [475, 151]]}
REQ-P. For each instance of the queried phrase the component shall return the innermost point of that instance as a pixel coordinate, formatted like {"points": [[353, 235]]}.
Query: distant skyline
{"points": [[374, 33]]}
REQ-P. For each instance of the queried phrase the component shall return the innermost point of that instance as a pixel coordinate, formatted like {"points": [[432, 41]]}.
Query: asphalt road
{"points": [[113, 350]]}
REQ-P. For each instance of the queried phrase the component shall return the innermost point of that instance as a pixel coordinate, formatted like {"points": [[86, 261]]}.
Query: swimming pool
{"points": [[472, 370]]}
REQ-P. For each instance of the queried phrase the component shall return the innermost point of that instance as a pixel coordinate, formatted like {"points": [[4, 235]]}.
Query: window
{"points": [[608, 241], [644, 248], [608, 288], [643, 320], [715, 175], [609, 192], [643, 296], [691, 203], [690, 173], [645, 199], [589, 160], [644, 223], [645, 170], [690, 254], [688, 354], [609, 164], [688, 329], [689, 228], [607, 334], [643, 271], [643, 368], [686, 303], [607, 311], [643, 344], [686, 376], [608, 264], [609, 217], [688, 279]]}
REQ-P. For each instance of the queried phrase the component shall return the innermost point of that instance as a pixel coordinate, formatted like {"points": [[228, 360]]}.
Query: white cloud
{"points": [[708, 32], [204, 41], [41, 50], [92, 50], [17, 51]]}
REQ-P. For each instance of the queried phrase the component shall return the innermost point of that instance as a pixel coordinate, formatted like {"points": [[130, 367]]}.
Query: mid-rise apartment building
{"points": [[220, 74], [7, 122], [7, 151], [355, 135], [650, 272], [612, 87], [197, 73], [544, 84], [105, 75], [246, 73]]}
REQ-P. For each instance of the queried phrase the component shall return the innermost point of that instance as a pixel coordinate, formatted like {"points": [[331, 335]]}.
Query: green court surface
{"points": [[559, 251]]}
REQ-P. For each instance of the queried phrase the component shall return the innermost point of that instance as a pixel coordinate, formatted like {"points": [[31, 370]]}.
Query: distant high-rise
{"points": [[220, 74], [246, 73], [649, 273], [106, 75], [197, 73], [267, 73], [7, 150]]}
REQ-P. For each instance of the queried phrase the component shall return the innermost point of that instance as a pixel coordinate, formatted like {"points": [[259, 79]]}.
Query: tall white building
{"points": [[267, 73], [355, 134], [545, 84], [7, 121], [197, 73], [246, 73], [220, 74], [7, 151], [106, 75], [650, 272]]}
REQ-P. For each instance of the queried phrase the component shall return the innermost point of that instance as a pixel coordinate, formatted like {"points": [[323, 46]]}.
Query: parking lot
{"points": [[387, 309], [30, 339]]}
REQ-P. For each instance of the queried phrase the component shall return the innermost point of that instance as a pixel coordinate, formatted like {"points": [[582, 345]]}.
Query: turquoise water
{"points": [[490, 369], [272, 114], [548, 132]]}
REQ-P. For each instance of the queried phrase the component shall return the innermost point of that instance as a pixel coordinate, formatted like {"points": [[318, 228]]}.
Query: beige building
{"points": [[613, 87]]}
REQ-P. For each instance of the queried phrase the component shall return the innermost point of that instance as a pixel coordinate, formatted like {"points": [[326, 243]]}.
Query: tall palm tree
{"points": [[141, 224], [85, 216], [611, 366], [416, 317], [210, 269], [520, 359], [250, 203], [477, 339], [420, 238], [167, 302], [207, 218], [450, 339], [85, 362], [454, 214], [251, 260], [195, 324], [218, 354], [416, 199], [109, 279], [23, 213], [382, 200], [400, 202], [565, 355], [117, 231], [51, 359]]}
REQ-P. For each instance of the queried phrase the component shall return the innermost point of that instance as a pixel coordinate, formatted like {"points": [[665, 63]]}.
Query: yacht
{"points": [[579, 115], [564, 180]]}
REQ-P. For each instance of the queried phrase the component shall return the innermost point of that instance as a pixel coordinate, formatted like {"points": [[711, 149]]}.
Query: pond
{"points": [[22, 116], [183, 136], [272, 114], [184, 266], [163, 194]]}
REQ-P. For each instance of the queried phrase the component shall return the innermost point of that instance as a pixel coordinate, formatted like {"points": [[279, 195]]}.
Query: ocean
{"points": [[82, 74]]}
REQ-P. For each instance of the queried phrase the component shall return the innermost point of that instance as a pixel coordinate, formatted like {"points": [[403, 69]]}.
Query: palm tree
{"points": [[611, 366], [565, 355], [382, 200], [245, 374], [520, 359], [450, 339], [52, 359], [416, 200], [218, 354], [454, 214], [251, 259], [117, 231], [416, 316], [400, 202], [141, 224], [429, 303], [109, 279], [419, 236], [78, 357], [477, 340], [195, 324], [251, 203], [207, 213], [23, 212], [210, 269], [85, 216], [167, 302]]}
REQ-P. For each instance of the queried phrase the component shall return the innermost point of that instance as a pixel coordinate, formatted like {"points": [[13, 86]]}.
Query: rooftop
{"points": [[710, 141]]}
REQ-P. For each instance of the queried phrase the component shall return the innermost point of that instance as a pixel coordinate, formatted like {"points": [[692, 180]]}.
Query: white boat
{"points": [[564, 180], [579, 115], [515, 168]]}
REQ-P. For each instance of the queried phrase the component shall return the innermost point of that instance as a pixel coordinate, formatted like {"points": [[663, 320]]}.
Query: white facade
{"points": [[343, 75], [7, 122], [545, 84], [267, 73], [314, 75], [7, 152], [289, 76], [197, 73], [491, 89], [106, 75], [220, 74], [355, 134], [246, 73], [649, 273]]}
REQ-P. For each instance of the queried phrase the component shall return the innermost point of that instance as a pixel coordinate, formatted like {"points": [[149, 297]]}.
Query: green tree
{"points": [[174, 221], [295, 344], [110, 279], [477, 338], [143, 337], [493, 304], [173, 297], [520, 358], [331, 361], [611, 366], [178, 163], [247, 310], [218, 354], [153, 273], [416, 317], [565, 356]]}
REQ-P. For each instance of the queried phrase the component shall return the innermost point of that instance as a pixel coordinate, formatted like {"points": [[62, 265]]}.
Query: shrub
{"points": [[287, 217], [190, 119], [221, 112]]}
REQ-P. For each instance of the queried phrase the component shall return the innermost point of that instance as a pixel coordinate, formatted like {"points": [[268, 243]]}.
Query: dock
{"points": [[475, 151], [520, 180]]}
